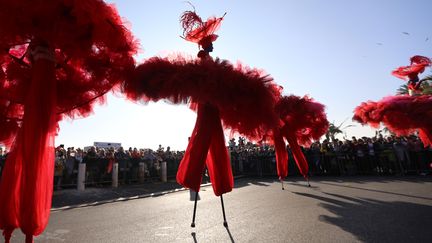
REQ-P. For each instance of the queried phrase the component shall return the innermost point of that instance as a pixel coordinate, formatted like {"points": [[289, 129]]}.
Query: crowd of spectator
{"points": [[99, 163], [377, 155]]}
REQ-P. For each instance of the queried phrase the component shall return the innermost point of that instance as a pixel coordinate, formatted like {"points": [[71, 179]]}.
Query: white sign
{"points": [[107, 145]]}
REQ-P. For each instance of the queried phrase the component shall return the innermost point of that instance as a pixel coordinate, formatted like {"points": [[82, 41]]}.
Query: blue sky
{"points": [[339, 52]]}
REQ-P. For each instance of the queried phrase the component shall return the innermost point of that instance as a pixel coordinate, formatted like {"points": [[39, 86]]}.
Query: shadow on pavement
{"points": [[72, 198], [98, 196], [380, 191], [301, 184], [377, 221], [247, 181], [380, 179]]}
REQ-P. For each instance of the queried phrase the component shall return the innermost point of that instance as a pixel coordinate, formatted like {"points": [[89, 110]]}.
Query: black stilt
{"points": [[223, 211], [194, 212], [282, 184], [307, 179]]}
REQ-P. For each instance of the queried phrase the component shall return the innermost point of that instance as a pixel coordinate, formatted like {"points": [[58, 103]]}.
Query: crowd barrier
{"points": [[98, 172]]}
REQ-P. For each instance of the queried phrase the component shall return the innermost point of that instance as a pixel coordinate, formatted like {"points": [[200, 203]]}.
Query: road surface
{"points": [[346, 209]]}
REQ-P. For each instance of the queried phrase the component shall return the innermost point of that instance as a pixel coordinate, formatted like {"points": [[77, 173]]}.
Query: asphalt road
{"points": [[332, 210]]}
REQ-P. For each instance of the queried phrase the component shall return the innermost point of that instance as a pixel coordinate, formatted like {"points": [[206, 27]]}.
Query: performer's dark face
{"points": [[209, 48]]}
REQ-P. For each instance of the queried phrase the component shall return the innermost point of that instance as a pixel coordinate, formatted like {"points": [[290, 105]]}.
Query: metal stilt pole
{"points": [[194, 212], [282, 184], [223, 211]]}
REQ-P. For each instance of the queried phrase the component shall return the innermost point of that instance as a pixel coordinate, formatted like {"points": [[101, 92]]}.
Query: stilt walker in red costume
{"points": [[410, 73], [56, 58], [402, 114], [208, 133], [240, 97], [302, 120]]}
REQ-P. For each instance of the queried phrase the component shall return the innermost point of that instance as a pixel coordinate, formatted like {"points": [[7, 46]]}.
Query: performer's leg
{"points": [[281, 156], [299, 157], [192, 165], [218, 162]]}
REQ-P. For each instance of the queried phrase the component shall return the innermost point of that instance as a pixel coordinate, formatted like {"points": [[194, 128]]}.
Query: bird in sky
{"points": [[405, 33]]}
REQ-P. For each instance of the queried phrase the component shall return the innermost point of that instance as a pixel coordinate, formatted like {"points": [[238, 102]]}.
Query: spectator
{"points": [[70, 164], [111, 159], [361, 161], [400, 148], [90, 155], [60, 161], [92, 165], [2, 160], [79, 155], [315, 151], [121, 157], [232, 143]]}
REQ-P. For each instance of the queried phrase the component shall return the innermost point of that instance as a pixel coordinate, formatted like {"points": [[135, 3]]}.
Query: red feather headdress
{"points": [[418, 65], [197, 31]]}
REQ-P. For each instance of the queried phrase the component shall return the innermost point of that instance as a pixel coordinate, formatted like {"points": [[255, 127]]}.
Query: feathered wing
{"points": [[243, 96], [402, 115]]}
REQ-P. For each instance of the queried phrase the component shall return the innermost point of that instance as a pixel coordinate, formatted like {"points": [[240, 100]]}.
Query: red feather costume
{"points": [[242, 98], [302, 120], [56, 58], [239, 96], [402, 115]]}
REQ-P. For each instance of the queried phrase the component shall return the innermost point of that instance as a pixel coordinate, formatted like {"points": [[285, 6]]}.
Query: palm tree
{"points": [[384, 130], [426, 87], [402, 90], [333, 130]]}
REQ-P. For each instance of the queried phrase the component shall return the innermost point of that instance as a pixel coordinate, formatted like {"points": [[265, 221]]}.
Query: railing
{"points": [[98, 171]]}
